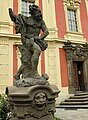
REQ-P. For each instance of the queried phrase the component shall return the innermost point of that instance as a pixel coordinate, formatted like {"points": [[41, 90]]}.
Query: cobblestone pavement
{"points": [[73, 114]]}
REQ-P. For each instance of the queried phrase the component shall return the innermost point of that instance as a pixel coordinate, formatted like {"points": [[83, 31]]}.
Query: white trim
{"points": [[86, 1]]}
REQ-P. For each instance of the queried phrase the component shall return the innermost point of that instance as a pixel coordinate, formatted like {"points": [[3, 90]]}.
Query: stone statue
{"points": [[31, 97], [33, 42]]}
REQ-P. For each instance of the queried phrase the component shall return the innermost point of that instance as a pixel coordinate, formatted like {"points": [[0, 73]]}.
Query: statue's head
{"points": [[35, 12], [31, 1]]}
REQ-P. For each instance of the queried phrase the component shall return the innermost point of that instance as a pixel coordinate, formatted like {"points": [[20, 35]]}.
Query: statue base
{"points": [[27, 82], [32, 103]]}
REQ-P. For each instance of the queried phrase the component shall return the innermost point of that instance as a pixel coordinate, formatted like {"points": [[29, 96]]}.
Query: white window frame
{"points": [[25, 8], [20, 5], [72, 20], [76, 37], [77, 9], [73, 5]]}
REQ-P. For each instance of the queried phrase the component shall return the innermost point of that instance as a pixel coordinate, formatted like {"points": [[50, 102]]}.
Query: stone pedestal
{"points": [[33, 103]]}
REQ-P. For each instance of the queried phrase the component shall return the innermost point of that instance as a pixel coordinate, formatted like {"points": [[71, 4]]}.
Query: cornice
{"points": [[4, 23], [53, 39], [10, 35]]}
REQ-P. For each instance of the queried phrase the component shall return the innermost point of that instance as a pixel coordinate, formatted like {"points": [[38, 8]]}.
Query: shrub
{"points": [[57, 118], [4, 107]]}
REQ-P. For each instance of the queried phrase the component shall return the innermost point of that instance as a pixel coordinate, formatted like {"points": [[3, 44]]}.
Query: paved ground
{"points": [[73, 114]]}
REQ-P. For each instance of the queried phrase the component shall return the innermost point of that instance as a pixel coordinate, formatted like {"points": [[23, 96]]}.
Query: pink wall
{"points": [[61, 25], [43, 54], [60, 18], [84, 19], [63, 67], [15, 6], [15, 9]]}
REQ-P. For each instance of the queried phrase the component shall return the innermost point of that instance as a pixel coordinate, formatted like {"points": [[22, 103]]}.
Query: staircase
{"points": [[79, 100]]}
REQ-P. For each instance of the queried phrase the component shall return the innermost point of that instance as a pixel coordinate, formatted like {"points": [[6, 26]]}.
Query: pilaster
{"points": [[50, 17], [86, 1], [5, 23]]}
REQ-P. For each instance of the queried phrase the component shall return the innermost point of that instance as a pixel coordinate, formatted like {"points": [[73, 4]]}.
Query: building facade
{"points": [[66, 59]]}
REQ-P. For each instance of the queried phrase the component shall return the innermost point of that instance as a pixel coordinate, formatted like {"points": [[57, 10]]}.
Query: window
{"points": [[72, 21], [25, 8]]}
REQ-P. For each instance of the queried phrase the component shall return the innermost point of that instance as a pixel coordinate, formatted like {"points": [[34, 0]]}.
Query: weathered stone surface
{"points": [[31, 97], [33, 103], [30, 82], [33, 42]]}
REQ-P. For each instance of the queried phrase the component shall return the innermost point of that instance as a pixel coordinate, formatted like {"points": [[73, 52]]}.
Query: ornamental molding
{"points": [[4, 40], [72, 3], [78, 51], [75, 37]]}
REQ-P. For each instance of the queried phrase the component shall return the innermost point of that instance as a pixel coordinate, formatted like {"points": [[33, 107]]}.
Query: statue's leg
{"points": [[19, 72], [25, 68], [35, 58]]}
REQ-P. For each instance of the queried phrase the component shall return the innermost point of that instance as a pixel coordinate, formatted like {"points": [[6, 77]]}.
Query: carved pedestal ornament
{"points": [[31, 97], [33, 103]]}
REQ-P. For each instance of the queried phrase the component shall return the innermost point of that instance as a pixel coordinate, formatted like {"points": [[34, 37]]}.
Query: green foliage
{"points": [[4, 107], [57, 118]]}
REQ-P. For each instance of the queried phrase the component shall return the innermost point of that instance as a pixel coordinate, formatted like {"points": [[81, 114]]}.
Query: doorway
{"points": [[78, 76]]}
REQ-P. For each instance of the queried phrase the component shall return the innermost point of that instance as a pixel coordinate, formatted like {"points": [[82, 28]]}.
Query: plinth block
{"points": [[33, 103]]}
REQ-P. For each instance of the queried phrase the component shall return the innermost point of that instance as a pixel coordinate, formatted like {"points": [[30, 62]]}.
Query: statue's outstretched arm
{"points": [[12, 15]]}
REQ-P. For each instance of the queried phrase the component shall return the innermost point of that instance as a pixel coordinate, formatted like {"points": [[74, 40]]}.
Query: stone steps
{"points": [[79, 97], [80, 93], [74, 103], [76, 100], [79, 100], [73, 106]]}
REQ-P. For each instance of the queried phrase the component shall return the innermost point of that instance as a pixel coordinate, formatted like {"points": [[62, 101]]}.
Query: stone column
{"points": [[69, 56]]}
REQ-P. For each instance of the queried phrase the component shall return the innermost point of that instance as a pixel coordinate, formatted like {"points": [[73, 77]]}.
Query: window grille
{"points": [[25, 8], [72, 21]]}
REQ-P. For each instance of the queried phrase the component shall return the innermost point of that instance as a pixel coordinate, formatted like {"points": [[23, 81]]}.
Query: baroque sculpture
{"points": [[31, 97], [33, 42]]}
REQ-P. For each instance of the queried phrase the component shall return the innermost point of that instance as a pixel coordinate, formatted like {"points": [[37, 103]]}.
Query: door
{"points": [[75, 72], [78, 76]]}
